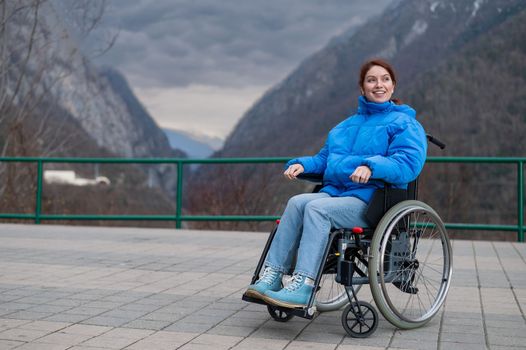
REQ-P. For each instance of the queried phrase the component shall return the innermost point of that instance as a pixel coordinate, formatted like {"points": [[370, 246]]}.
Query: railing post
{"points": [[520, 203], [38, 204], [179, 195]]}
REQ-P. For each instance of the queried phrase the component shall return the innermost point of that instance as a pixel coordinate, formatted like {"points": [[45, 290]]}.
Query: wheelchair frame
{"points": [[390, 243]]}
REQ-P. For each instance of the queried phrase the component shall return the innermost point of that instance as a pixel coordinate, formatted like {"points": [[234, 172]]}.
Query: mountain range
{"points": [[195, 146]]}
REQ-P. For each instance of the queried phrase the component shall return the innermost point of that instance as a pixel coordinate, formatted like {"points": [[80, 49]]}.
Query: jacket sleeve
{"points": [[405, 157], [315, 164]]}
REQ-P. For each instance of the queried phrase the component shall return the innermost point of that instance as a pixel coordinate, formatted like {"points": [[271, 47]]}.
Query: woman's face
{"points": [[378, 85]]}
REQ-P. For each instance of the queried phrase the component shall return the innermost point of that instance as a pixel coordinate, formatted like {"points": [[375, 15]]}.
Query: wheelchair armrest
{"points": [[311, 177]]}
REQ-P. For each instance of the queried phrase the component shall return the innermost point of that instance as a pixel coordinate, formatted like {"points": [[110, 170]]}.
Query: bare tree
{"points": [[37, 55]]}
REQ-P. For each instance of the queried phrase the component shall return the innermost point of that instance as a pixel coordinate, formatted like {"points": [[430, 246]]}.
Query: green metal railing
{"points": [[38, 216]]}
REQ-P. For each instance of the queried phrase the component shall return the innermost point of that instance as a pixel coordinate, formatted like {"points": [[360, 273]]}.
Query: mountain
{"points": [[46, 66], [195, 146], [456, 62]]}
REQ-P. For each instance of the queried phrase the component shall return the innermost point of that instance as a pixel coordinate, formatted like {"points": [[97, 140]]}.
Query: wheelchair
{"points": [[404, 255]]}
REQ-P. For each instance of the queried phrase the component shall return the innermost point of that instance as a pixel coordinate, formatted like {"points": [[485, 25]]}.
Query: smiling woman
{"points": [[377, 81], [382, 141]]}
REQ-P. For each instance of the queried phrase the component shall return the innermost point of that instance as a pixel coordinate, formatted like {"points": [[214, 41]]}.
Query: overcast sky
{"points": [[198, 65]]}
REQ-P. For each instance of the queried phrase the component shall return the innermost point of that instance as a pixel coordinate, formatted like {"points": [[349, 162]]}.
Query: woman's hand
{"points": [[293, 171], [361, 175]]}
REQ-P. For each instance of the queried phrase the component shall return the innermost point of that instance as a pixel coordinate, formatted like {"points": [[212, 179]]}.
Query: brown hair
{"points": [[382, 63]]}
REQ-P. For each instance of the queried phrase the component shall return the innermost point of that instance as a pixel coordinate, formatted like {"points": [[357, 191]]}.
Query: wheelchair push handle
{"points": [[436, 141]]}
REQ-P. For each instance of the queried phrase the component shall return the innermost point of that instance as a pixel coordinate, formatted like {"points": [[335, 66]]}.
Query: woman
{"points": [[384, 141]]}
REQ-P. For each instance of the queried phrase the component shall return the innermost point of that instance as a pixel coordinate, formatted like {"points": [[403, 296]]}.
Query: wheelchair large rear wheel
{"points": [[410, 265]]}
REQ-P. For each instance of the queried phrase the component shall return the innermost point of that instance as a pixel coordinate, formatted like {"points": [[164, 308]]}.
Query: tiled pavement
{"points": [[91, 288]]}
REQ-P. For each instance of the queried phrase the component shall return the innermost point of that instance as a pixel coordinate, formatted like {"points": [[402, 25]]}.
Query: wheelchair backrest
{"points": [[385, 198]]}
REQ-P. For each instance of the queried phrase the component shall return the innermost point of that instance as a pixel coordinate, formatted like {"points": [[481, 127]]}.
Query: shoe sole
{"points": [[275, 302], [251, 293]]}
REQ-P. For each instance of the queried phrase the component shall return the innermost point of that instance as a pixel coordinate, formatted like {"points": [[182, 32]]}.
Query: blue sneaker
{"points": [[270, 281], [296, 294]]}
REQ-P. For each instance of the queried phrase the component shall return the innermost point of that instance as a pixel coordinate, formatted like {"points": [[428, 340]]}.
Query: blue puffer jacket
{"points": [[384, 136]]}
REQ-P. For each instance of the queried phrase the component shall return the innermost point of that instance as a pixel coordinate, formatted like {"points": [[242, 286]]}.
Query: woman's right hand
{"points": [[293, 171]]}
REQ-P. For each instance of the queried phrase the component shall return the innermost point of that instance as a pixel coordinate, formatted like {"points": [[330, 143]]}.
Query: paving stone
{"points": [[147, 324], [503, 340], [106, 321], [189, 327], [375, 340], [43, 346], [21, 334], [239, 331], [66, 302], [45, 326], [322, 337], [163, 341], [218, 340], [89, 330], [252, 343], [10, 344], [88, 311], [63, 338], [461, 346], [29, 315], [359, 347], [6, 323], [71, 318], [126, 314], [414, 344], [463, 338], [163, 316]]}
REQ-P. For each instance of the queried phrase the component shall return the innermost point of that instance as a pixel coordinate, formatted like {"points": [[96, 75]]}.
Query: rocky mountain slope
{"points": [[45, 65]]}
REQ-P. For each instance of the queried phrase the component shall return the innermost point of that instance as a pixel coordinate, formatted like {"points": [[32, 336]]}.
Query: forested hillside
{"points": [[476, 102], [460, 64]]}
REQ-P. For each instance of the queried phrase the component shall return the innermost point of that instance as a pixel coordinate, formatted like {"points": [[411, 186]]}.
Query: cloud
{"points": [[197, 108], [166, 43]]}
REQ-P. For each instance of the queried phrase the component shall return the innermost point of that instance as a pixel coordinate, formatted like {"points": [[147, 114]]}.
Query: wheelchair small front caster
{"points": [[279, 315], [359, 319]]}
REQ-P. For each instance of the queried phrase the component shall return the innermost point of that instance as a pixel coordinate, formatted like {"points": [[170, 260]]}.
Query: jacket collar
{"points": [[366, 107]]}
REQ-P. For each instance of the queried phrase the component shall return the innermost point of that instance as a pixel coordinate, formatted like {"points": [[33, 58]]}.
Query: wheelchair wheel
{"points": [[279, 314], [411, 264], [359, 319]]}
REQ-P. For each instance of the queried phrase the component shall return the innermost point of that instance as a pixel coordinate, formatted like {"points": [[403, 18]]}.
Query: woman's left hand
{"points": [[361, 175]]}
